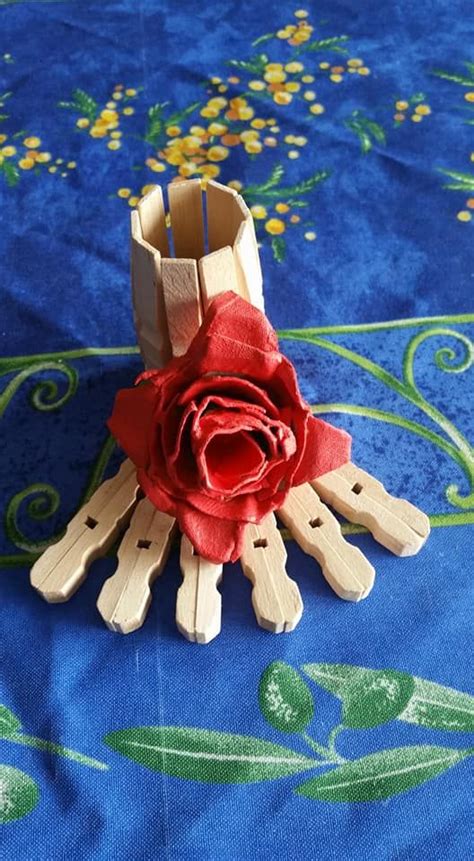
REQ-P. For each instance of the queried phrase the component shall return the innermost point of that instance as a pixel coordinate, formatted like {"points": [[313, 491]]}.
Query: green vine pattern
{"points": [[369, 698], [446, 358], [19, 793]]}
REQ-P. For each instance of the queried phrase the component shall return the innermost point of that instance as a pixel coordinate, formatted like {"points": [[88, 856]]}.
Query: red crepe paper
{"points": [[221, 434]]}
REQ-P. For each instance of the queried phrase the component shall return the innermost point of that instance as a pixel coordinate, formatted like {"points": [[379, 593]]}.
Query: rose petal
{"points": [[229, 460], [131, 419], [214, 539], [229, 386], [326, 449]]}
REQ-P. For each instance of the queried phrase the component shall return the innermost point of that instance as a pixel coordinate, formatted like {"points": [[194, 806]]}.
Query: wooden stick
{"points": [[216, 275], [187, 222], [182, 302], [151, 212], [395, 523], [276, 598], [147, 297], [318, 533], [247, 259], [62, 568], [126, 596], [198, 602], [224, 215]]}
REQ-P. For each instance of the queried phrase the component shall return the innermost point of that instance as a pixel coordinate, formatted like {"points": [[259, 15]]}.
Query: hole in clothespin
{"points": [[143, 544], [90, 522], [357, 488], [260, 542], [316, 521]]}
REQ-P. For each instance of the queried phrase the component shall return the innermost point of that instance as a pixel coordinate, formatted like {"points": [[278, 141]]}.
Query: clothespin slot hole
{"points": [[315, 522], [357, 488], [143, 544], [90, 522], [260, 542]]}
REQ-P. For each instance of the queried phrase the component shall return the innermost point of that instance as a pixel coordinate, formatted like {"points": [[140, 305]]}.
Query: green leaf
{"points": [[19, 794], [369, 697], [9, 723], [265, 38], [155, 125], [179, 116], [456, 79], [255, 65], [382, 774], [285, 699], [10, 172], [331, 44], [83, 104], [267, 191], [279, 248], [463, 181], [438, 707], [206, 755]]}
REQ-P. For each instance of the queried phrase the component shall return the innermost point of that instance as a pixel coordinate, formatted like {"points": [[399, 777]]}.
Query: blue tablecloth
{"points": [[348, 129]]}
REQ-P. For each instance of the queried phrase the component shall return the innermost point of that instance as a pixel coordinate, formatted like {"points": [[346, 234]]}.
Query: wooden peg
{"points": [[395, 523], [147, 299], [187, 222], [216, 275], [126, 596], [151, 212], [198, 602], [319, 534], [247, 259], [276, 598], [62, 568], [182, 302]]}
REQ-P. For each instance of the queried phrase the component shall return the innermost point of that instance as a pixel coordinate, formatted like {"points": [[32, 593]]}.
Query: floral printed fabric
{"points": [[348, 129]]}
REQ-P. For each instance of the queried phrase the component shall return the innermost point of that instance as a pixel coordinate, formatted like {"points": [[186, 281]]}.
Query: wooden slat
{"points": [[147, 299], [216, 275], [224, 215], [151, 211], [395, 523], [187, 221], [126, 596], [182, 301], [319, 534], [62, 568], [198, 602], [276, 598], [247, 259]]}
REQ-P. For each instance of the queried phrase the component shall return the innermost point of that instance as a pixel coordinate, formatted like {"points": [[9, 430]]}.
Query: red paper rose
{"points": [[221, 434]]}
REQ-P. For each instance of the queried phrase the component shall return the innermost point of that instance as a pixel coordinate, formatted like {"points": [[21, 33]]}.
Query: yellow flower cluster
{"points": [[106, 124], [354, 66], [274, 224], [403, 105], [28, 155], [297, 34]]}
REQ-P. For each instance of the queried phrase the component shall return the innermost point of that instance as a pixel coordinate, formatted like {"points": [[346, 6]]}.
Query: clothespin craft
{"points": [[218, 440]]}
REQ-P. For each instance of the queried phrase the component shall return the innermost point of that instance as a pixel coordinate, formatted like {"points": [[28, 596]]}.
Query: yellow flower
{"points": [[292, 87], [3, 138], [336, 79], [295, 219], [217, 153], [8, 151], [158, 167], [324, 65], [52, 169], [216, 80], [217, 129], [317, 108], [270, 141], [258, 124], [219, 102], [464, 215], [114, 144], [147, 188], [43, 157], [363, 70], [307, 79], [300, 140], [111, 105], [59, 161], [233, 79], [82, 123], [117, 95], [235, 184], [32, 142], [301, 13], [310, 235], [190, 144], [253, 147], [115, 135], [289, 139], [469, 96], [173, 131], [109, 116], [416, 118], [124, 192], [283, 34], [470, 202], [274, 67], [309, 95], [175, 157], [423, 110], [258, 211], [132, 201], [249, 135], [275, 76], [200, 131], [222, 88], [472, 156], [26, 163], [293, 153], [209, 171], [130, 92], [294, 67], [246, 113], [354, 63], [209, 111], [187, 169], [256, 85], [282, 98], [282, 207], [127, 112], [71, 165], [275, 226], [401, 105], [399, 117], [98, 132]]}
